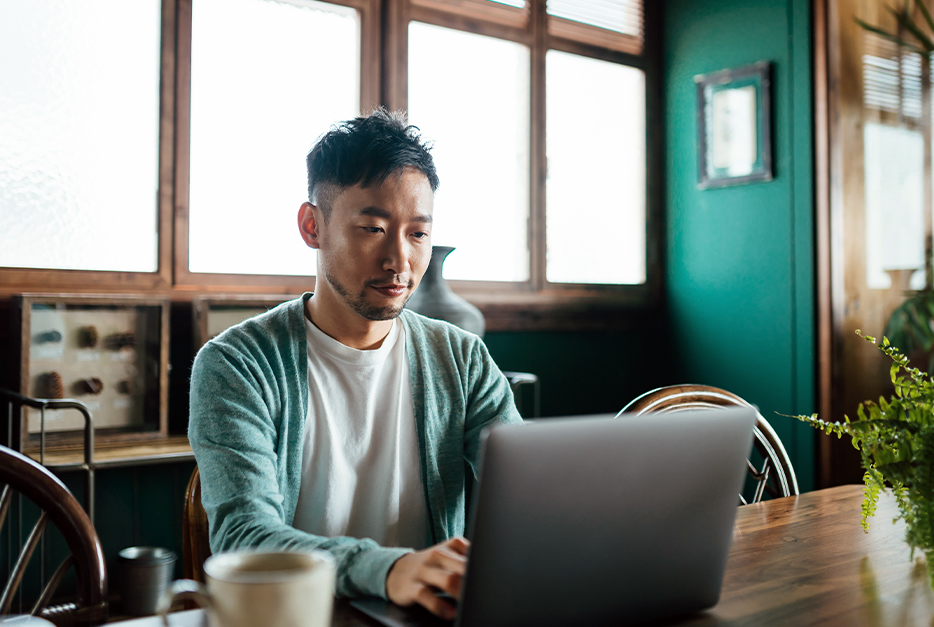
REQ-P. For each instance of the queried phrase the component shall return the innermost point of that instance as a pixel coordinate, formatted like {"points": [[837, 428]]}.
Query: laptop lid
{"points": [[595, 520], [604, 521]]}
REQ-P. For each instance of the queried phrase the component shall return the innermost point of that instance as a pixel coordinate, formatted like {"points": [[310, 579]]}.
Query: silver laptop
{"points": [[592, 520]]}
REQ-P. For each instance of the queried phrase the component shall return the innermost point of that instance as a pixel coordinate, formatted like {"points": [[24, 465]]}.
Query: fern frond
{"points": [[872, 487]]}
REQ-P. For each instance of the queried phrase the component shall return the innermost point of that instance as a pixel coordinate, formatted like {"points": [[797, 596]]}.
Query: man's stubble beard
{"points": [[358, 303]]}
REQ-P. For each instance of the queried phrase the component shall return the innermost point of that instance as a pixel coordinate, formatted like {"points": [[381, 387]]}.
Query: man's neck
{"points": [[345, 326]]}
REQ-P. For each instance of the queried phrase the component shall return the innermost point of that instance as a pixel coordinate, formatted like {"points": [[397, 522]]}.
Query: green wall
{"points": [[588, 372], [740, 260], [137, 506]]}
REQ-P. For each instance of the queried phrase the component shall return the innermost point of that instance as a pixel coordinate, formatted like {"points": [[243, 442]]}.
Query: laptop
{"points": [[595, 520]]}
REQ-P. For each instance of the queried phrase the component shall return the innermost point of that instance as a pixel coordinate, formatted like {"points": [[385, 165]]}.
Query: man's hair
{"points": [[365, 150]]}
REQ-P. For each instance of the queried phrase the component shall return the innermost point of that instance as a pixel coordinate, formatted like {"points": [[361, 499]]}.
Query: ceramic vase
{"points": [[435, 299]]}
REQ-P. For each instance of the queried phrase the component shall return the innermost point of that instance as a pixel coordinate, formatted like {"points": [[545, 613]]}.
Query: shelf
{"points": [[163, 451]]}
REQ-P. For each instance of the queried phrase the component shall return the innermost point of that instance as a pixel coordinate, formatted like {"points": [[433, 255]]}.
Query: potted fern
{"points": [[895, 438]]}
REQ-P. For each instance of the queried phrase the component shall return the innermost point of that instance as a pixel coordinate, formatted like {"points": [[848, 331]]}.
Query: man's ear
{"points": [[308, 224]]}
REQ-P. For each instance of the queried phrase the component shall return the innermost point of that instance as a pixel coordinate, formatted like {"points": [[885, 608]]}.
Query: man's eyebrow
{"points": [[376, 212]]}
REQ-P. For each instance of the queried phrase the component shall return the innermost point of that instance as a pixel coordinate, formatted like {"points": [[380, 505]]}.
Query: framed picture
{"points": [[734, 118], [109, 352], [214, 314]]}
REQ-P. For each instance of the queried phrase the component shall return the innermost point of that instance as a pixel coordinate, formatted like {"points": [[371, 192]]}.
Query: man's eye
{"points": [[420, 235], [373, 229]]}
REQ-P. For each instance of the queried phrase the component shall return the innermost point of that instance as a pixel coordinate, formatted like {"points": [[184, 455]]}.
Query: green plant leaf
{"points": [[908, 24], [926, 14], [895, 440], [890, 37]]}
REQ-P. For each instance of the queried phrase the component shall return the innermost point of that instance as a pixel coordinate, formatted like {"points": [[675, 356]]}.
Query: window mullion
{"points": [[538, 156], [182, 135], [395, 82], [166, 201]]}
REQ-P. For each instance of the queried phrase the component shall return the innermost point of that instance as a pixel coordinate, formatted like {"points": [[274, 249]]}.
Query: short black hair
{"points": [[366, 150]]}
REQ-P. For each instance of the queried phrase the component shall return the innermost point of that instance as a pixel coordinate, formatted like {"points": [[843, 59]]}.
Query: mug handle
{"points": [[182, 590]]}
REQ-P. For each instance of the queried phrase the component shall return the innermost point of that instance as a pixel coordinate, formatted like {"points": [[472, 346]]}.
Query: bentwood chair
{"points": [[517, 381], [770, 470], [196, 545], [55, 504]]}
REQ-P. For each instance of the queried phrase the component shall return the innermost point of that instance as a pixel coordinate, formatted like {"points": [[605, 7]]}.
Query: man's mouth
{"points": [[392, 290]]}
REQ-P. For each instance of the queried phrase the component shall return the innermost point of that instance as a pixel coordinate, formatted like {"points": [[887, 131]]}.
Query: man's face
{"points": [[376, 244]]}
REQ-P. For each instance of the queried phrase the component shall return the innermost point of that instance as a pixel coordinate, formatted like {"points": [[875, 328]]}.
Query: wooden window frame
{"points": [[13, 280], [534, 304], [519, 304], [369, 98]]}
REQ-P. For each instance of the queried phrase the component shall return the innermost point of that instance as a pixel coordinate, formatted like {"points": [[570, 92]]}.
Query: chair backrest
{"points": [[775, 477], [196, 545], [56, 504], [14, 404]]}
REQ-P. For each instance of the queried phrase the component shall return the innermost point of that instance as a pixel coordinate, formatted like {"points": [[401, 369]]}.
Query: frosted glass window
{"points": [[595, 193], [79, 134], [267, 79], [470, 94]]}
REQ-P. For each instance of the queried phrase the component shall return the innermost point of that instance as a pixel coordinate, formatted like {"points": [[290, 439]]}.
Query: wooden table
{"points": [[804, 560]]}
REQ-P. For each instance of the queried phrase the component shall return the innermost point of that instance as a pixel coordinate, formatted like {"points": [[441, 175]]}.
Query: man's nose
{"points": [[397, 254]]}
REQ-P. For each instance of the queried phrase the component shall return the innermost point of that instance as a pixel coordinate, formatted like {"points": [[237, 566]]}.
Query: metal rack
{"points": [[15, 402]]}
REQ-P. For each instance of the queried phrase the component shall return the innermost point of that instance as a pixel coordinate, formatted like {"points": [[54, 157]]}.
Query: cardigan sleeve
{"points": [[490, 401], [235, 410]]}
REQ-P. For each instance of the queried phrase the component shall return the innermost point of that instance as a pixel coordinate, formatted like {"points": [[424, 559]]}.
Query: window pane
{"points": [[596, 171], [471, 95], [894, 182], [267, 78], [79, 134]]}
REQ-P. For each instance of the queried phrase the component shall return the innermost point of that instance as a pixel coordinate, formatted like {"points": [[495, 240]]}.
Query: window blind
{"points": [[891, 80], [620, 16]]}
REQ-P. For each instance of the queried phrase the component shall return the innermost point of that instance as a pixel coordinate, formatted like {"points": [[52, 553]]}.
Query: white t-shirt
{"points": [[360, 465]]}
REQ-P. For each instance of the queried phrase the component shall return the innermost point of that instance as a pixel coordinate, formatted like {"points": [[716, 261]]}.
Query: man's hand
{"points": [[419, 577]]}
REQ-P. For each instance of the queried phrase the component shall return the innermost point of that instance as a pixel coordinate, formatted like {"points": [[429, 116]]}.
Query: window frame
{"points": [[530, 305], [528, 301], [369, 98], [14, 280]]}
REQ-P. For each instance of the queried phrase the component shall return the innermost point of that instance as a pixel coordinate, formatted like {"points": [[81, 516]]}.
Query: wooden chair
{"points": [[196, 545], [775, 476], [56, 504]]}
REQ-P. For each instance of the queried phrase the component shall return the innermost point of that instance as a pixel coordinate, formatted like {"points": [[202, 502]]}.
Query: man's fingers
{"points": [[434, 604], [416, 577], [443, 580], [458, 545], [446, 559]]}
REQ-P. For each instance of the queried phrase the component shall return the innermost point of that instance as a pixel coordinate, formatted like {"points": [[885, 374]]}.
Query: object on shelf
{"points": [[92, 385], [119, 341], [49, 337], [51, 385], [125, 386], [435, 298], [88, 336]]}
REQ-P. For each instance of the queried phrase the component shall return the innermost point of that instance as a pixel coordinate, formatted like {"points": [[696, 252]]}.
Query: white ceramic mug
{"points": [[246, 589]]}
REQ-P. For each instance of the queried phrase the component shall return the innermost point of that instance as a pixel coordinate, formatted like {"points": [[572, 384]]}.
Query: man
{"points": [[339, 420]]}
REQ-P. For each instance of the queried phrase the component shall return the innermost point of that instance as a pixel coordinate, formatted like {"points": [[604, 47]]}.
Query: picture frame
{"points": [[734, 124], [212, 315], [109, 352]]}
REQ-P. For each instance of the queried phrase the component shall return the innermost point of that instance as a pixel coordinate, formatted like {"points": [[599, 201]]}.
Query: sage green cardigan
{"points": [[249, 401]]}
